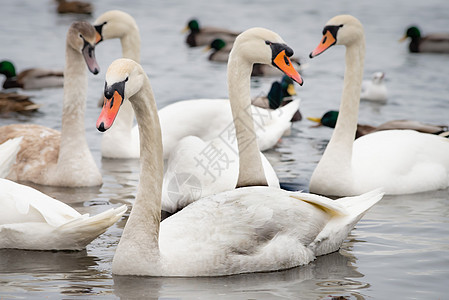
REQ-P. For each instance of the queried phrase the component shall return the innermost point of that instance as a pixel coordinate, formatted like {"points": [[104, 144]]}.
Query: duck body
{"points": [[14, 102], [30, 79], [74, 7], [431, 43], [49, 157], [398, 161], [32, 220], [374, 89]]}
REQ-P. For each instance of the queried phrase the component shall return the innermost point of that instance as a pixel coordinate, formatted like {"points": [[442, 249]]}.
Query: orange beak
{"points": [[327, 41], [283, 62], [98, 38], [109, 111]]}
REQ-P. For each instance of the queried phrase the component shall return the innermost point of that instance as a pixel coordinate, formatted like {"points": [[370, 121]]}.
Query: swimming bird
{"points": [[204, 35], [50, 157], [123, 140], [374, 89], [30, 79], [250, 229], [15, 102], [32, 220], [434, 42], [74, 7], [329, 119], [399, 161], [281, 93]]}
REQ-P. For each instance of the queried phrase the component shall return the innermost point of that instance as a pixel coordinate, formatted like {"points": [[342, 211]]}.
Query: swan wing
{"points": [[8, 154]]}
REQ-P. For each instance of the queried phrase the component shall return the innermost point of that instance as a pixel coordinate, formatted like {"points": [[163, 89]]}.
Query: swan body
{"points": [[329, 119], [249, 229], [8, 154], [374, 89], [30, 79], [398, 161], [32, 220], [14, 102], [202, 36], [50, 157], [433, 43]]}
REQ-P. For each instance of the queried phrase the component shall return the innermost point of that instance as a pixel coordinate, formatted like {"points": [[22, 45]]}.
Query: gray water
{"points": [[399, 250]]}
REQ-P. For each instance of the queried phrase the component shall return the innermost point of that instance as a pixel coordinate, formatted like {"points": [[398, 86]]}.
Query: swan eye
{"points": [[268, 42]]}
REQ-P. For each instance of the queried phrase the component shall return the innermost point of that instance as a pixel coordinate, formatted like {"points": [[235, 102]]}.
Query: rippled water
{"points": [[399, 250]]}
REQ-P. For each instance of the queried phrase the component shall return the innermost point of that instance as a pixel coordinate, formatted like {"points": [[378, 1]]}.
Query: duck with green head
{"points": [[202, 36], [30, 79], [435, 42]]}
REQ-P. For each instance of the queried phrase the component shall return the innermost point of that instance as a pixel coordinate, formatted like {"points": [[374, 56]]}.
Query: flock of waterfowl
{"points": [[243, 221]]}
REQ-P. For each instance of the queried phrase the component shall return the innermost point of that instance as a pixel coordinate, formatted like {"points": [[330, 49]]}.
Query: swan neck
{"points": [[251, 172], [74, 105], [345, 129], [141, 232], [131, 45]]}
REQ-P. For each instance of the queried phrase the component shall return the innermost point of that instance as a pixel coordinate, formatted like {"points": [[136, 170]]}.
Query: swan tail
{"points": [[289, 110], [84, 229], [8, 154], [340, 225]]}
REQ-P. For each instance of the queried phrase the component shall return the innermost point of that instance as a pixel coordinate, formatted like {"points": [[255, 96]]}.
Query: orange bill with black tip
{"points": [[98, 38], [109, 111], [283, 62], [327, 41]]}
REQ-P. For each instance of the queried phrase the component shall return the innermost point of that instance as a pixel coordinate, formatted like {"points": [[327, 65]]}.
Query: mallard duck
{"points": [[16, 102], [29, 79], [74, 7], [398, 161], [329, 119], [374, 89], [254, 228], [435, 42], [279, 95], [202, 36]]}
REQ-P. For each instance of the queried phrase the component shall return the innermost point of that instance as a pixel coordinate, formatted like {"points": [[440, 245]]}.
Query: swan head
{"points": [[263, 46], [378, 77], [340, 30], [81, 37], [113, 24], [124, 79]]}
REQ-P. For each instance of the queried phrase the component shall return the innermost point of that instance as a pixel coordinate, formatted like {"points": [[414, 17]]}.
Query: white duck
{"points": [[123, 140], [374, 89], [50, 157], [249, 229], [32, 220], [8, 154], [399, 161]]}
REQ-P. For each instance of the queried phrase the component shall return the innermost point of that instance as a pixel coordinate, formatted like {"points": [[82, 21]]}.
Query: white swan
{"points": [[8, 154], [374, 89], [32, 220], [123, 140], [399, 161], [249, 229], [50, 157]]}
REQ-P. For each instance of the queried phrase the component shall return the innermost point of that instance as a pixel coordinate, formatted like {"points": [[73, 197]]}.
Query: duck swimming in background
{"points": [[202, 36], [74, 7], [14, 102], [30, 79], [279, 95], [398, 161], [329, 119], [374, 89], [434, 42]]}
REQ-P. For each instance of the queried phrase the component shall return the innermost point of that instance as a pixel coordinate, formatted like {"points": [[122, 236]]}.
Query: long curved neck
{"points": [[339, 149], [251, 172], [141, 233], [73, 139], [131, 44]]}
